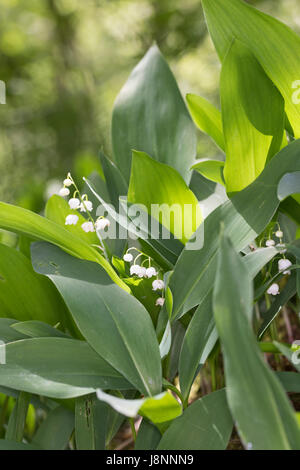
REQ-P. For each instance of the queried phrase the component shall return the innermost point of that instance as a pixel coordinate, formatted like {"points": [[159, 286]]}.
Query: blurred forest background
{"points": [[64, 62]]}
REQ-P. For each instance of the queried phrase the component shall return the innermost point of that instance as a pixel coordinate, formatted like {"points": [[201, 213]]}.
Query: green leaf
{"points": [[290, 381], [54, 433], [26, 295], [201, 335], [207, 117], [57, 368], [289, 184], [8, 334], [159, 408], [260, 408], [19, 220], [116, 184], [37, 329], [90, 423], [195, 270], [148, 436], [150, 116], [16, 423], [251, 135], [274, 44], [160, 189], [113, 322], [205, 425], [57, 210], [211, 169], [13, 445]]}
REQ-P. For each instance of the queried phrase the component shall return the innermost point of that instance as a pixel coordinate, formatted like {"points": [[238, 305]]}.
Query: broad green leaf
{"points": [[159, 408], [150, 116], [164, 248], [244, 217], [253, 117], [90, 423], [57, 210], [207, 117], [8, 334], [205, 425], [116, 184], [148, 436], [26, 295], [274, 44], [13, 445], [55, 432], [37, 329], [211, 169], [161, 190], [290, 381], [113, 322], [19, 220], [57, 368], [201, 335], [260, 408]]}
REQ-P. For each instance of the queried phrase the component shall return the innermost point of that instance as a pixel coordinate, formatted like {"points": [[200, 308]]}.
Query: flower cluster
{"points": [[81, 203], [283, 264], [145, 272]]}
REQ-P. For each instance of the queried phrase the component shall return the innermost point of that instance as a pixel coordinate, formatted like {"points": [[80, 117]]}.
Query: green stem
{"points": [[16, 424]]}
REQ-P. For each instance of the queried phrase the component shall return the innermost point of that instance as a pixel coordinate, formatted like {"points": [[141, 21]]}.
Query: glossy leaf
{"points": [[205, 425], [148, 436], [251, 136], [260, 408], [57, 368], [150, 116], [37, 329], [211, 169], [154, 183], [19, 220], [54, 433], [274, 45], [201, 334], [159, 408], [113, 322], [207, 118], [26, 295], [195, 270]]}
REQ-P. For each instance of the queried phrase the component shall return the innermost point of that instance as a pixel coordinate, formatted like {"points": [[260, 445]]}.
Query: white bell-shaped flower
{"points": [[142, 272], [283, 265], [134, 269], [101, 224], [158, 284], [71, 219], [160, 302], [64, 192], [88, 205], [88, 227], [273, 289], [150, 272], [270, 242], [68, 182], [128, 257], [279, 234], [74, 203]]}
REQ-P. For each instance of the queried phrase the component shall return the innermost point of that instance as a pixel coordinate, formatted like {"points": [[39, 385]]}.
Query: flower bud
{"points": [[64, 192]]}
